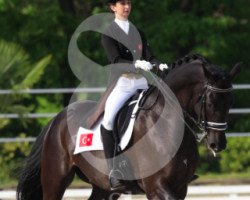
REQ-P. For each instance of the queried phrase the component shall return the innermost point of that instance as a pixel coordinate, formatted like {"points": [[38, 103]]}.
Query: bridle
{"points": [[202, 122]]}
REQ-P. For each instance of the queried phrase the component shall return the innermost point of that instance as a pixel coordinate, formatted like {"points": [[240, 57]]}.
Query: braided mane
{"points": [[219, 75], [189, 58]]}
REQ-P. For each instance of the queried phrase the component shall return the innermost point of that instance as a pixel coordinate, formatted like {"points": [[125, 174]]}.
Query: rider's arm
{"points": [[147, 53]]}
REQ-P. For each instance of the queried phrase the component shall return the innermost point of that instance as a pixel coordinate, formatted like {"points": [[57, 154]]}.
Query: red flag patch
{"points": [[140, 46], [86, 139]]}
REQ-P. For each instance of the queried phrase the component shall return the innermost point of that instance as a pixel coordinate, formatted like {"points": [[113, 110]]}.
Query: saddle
{"points": [[124, 113]]}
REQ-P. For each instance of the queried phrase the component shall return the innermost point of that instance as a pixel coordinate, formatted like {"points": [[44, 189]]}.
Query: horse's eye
{"points": [[199, 98]]}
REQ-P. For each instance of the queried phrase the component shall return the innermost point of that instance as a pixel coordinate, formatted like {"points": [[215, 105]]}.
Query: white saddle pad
{"points": [[90, 140]]}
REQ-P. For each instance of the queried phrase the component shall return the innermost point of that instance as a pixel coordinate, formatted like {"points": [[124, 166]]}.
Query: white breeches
{"points": [[123, 90]]}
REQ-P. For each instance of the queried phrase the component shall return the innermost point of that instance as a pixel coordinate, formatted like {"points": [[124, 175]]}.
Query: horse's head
{"points": [[213, 105], [204, 92]]}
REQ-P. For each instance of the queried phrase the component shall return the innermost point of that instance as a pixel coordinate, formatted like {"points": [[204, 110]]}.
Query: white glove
{"points": [[163, 66], [143, 64]]}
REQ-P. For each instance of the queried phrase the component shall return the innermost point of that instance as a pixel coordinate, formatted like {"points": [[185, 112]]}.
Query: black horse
{"points": [[204, 92]]}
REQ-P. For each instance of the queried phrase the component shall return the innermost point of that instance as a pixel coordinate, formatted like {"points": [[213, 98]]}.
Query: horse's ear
{"points": [[236, 69], [208, 74]]}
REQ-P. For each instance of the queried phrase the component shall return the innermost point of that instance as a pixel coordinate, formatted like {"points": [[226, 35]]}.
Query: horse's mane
{"points": [[190, 58], [218, 73]]}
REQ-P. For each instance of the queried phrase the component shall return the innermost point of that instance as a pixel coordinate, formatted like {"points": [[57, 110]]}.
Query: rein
{"points": [[146, 95], [203, 124]]}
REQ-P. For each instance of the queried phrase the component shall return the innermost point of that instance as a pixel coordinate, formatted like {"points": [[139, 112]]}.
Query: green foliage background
{"points": [[37, 34]]}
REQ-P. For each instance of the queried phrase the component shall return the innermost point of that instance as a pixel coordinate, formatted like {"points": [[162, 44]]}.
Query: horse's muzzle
{"points": [[216, 141]]}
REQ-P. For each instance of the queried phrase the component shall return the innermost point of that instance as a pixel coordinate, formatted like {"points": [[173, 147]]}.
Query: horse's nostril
{"points": [[212, 145]]}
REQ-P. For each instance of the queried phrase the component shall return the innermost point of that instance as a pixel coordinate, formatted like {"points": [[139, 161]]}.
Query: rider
{"points": [[122, 47]]}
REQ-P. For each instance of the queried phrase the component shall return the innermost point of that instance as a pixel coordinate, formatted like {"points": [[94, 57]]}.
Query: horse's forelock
{"points": [[218, 77]]}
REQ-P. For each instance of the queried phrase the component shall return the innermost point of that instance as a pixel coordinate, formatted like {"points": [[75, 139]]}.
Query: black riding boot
{"points": [[109, 149]]}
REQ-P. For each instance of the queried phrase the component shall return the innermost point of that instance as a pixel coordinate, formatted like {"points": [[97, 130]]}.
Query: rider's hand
{"points": [[163, 66], [143, 64]]}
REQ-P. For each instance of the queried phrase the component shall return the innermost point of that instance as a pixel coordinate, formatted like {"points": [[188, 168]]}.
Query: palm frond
{"points": [[35, 74], [17, 72], [12, 58]]}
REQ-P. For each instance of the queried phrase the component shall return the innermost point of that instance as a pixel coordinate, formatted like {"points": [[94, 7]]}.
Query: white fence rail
{"points": [[54, 91], [241, 86], [32, 139], [240, 111], [83, 90], [50, 115], [86, 90], [28, 115]]}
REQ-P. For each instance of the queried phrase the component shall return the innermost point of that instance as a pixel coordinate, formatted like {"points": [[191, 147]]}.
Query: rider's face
{"points": [[122, 9]]}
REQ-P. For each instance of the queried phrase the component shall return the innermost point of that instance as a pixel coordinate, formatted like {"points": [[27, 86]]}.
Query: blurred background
{"points": [[34, 40]]}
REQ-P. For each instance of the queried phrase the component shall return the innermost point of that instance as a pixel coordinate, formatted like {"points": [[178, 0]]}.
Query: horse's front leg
{"points": [[158, 189]]}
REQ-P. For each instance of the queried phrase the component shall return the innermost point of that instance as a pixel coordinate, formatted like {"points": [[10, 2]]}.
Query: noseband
{"points": [[203, 124]]}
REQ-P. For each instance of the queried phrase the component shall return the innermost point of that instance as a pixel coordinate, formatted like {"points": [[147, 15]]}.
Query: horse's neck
{"points": [[187, 74], [184, 80]]}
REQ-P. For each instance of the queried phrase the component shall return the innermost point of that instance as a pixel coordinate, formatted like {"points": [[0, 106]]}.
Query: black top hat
{"points": [[111, 1]]}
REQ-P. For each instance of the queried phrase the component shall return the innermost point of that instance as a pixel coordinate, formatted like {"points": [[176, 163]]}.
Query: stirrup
{"points": [[116, 174], [116, 180]]}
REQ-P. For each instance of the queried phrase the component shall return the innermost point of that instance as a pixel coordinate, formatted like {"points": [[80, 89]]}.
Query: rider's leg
{"points": [[123, 90], [115, 176], [115, 101]]}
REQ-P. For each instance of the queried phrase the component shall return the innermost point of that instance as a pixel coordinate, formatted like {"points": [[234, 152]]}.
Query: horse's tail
{"points": [[29, 186]]}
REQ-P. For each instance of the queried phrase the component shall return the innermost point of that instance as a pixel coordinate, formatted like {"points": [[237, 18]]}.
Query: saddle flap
{"points": [[124, 116], [99, 110]]}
